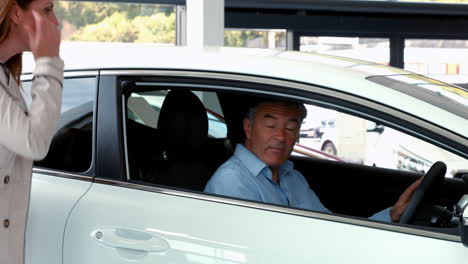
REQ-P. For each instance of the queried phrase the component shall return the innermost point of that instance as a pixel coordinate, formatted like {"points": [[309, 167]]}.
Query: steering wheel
{"points": [[431, 180]]}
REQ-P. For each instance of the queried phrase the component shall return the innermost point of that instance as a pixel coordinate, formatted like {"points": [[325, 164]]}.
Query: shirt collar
{"points": [[6, 71], [254, 164]]}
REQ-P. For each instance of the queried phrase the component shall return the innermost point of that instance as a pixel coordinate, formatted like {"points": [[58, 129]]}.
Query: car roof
{"points": [[360, 78]]}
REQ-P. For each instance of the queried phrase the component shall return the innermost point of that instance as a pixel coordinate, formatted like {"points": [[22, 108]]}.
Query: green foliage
{"points": [[157, 28], [110, 22], [81, 14], [240, 38], [116, 28], [252, 38]]}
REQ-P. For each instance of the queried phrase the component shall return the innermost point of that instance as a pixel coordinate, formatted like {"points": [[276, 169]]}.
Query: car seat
{"points": [[183, 131]]}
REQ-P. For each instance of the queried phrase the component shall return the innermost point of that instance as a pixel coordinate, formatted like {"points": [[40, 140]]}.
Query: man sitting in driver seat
{"points": [[260, 170]]}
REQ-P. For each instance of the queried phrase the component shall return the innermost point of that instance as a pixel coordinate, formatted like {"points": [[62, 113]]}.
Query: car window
{"points": [[339, 161], [342, 137], [144, 108], [178, 146], [71, 146], [76, 91]]}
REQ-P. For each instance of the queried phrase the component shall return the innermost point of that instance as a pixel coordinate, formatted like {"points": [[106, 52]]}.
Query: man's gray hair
{"points": [[290, 104]]}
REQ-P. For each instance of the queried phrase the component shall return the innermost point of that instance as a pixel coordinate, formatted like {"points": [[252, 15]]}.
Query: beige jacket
{"points": [[25, 136]]}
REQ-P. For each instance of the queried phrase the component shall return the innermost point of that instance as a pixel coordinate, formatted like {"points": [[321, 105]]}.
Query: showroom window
{"points": [[369, 49], [255, 38], [446, 61], [116, 22], [92, 27]]}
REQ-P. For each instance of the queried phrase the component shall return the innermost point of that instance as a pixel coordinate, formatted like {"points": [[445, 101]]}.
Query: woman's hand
{"points": [[44, 35]]}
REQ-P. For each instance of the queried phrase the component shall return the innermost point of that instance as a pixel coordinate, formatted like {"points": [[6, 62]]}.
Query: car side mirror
{"points": [[462, 211], [374, 127]]}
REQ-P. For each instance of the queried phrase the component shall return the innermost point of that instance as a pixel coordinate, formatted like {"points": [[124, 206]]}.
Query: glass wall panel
{"points": [[369, 49], [91, 27], [440, 58], [116, 22], [255, 38], [431, 56]]}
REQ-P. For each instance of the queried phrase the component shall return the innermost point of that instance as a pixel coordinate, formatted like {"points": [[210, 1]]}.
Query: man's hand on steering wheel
{"points": [[407, 205], [400, 206]]}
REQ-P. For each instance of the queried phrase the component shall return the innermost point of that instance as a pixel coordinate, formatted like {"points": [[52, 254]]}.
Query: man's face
{"points": [[273, 133]]}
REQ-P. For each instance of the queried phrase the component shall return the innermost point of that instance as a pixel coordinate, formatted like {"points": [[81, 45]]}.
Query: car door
{"points": [[125, 224], [124, 220], [65, 174]]}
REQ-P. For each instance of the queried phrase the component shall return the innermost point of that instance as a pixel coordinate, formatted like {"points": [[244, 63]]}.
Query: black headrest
{"points": [[183, 124]]}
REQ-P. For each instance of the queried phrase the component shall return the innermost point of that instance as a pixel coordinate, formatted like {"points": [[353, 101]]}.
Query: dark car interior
{"points": [[175, 153], [70, 150], [71, 146], [181, 155]]}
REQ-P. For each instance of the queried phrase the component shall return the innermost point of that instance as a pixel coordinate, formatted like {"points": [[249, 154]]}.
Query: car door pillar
{"points": [[110, 148]]}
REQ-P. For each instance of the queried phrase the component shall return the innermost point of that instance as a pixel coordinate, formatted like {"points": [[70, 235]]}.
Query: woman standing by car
{"points": [[25, 135]]}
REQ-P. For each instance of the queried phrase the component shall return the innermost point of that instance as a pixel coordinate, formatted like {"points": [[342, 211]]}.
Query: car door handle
{"points": [[122, 238]]}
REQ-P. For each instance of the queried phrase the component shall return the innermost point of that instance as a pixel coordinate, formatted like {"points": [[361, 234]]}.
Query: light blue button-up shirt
{"points": [[245, 176]]}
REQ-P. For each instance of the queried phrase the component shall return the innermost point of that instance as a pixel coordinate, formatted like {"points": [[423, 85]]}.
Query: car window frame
{"points": [[351, 107], [90, 173], [212, 116], [323, 96]]}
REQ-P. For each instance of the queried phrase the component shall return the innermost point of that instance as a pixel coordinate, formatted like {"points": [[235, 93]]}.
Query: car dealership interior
{"points": [[253, 131]]}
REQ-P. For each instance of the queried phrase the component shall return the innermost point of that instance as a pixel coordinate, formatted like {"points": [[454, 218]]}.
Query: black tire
{"points": [[329, 148]]}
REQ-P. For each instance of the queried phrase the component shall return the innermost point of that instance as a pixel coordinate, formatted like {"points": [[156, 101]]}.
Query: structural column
{"points": [[205, 23]]}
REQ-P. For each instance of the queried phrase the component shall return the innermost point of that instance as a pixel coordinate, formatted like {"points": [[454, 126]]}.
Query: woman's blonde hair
{"points": [[14, 64]]}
